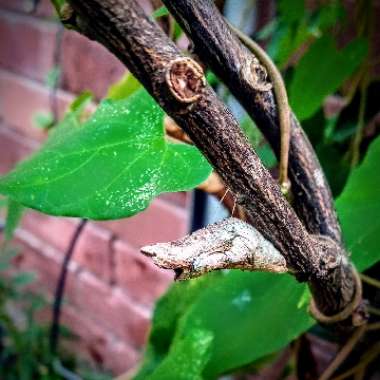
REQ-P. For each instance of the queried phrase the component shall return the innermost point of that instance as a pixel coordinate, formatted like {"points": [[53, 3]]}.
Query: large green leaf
{"points": [[249, 315], [168, 313], [321, 71], [110, 167], [187, 358], [359, 209]]}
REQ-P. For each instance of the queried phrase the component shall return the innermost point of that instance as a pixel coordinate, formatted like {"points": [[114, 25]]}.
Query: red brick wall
{"points": [[111, 287]]}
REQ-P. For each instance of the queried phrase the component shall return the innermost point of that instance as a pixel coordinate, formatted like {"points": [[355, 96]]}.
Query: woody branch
{"points": [[178, 85]]}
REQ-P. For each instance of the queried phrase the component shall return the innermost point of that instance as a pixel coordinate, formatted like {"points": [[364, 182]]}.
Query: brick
{"points": [[112, 309], [26, 45], [98, 345], [83, 61], [44, 8], [180, 198], [56, 231], [132, 321], [138, 276], [93, 251], [13, 148], [22, 98], [45, 261], [160, 222]]}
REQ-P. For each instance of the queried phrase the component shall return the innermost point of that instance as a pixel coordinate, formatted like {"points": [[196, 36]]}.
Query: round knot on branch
{"points": [[185, 79], [256, 75]]}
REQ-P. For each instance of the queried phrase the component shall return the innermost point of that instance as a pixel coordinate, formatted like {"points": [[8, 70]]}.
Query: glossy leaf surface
{"points": [[110, 167]]}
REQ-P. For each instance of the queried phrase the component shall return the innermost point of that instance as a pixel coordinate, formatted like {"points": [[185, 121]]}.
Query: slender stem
{"points": [[373, 326], [370, 280], [359, 129], [373, 310], [367, 358], [281, 100], [343, 353], [60, 289]]}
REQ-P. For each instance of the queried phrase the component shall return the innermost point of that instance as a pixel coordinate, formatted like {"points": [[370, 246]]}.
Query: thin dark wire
{"points": [[60, 289]]}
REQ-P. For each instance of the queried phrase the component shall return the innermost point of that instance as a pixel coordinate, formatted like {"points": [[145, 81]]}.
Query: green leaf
{"points": [[187, 357], [14, 214], [266, 155], [58, 4], [23, 279], [110, 167], [249, 314], [160, 12], [123, 88], [43, 120], [168, 312], [291, 11], [81, 101], [359, 209], [321, 71]]}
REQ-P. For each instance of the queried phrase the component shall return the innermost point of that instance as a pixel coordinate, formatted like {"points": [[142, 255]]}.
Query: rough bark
{"points": [[174, 81], [221, 50]]}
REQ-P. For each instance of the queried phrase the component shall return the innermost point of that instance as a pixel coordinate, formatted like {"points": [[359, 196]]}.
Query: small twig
{"points": [[229, 244], [343, 353], [60, 289], [370, 280], [355, 149], [367, 358], [373, 310], [373, 326]]}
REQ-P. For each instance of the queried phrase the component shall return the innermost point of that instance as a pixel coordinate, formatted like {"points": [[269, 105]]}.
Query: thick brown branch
{"points": [[175, 82], [149, 54], [218, 47]]}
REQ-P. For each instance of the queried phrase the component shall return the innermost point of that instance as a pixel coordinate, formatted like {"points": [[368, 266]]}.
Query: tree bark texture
{"points": [[221, 50]]}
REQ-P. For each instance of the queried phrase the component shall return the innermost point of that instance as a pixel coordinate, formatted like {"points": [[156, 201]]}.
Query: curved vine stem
{"points": [[366, 359], [370, 280], [343, 353]]}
